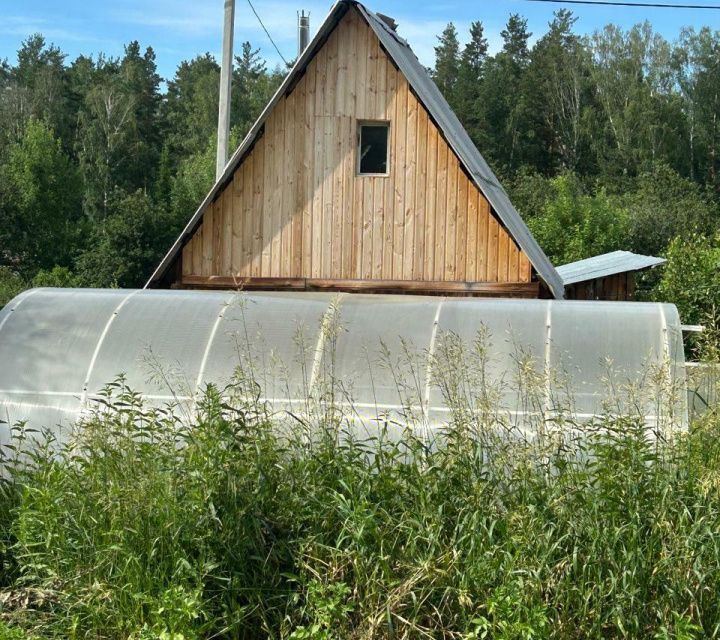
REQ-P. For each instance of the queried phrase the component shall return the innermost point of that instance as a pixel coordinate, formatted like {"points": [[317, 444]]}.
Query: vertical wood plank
{"points": [[473, 215], [255, 207], [287, 184], [318, 166], [348, 110], [372, 191], [370, 45], [236, 223], [502, 270], [337, 201], [197, 251], [398, 170], [308, 82], [451, 218], [421, 156], [277, 166], [217, 232], [431, 203], [380, 185], [461, 228], [225, 266], [248, 216], [492, 250], [187, 257], [268, 219], [409, 206], [525, 268], [330, 155], [513, 265], [208, 225], [359, 197], [338, 153], [440, 214], [298, 201], [390, 183], [483, 258]]}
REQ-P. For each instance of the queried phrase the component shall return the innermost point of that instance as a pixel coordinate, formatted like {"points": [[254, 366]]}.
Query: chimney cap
{"points": [[390, 22]]}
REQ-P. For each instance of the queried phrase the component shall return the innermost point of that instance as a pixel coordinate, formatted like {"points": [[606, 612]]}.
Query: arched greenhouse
{"points": [[380, 356]]}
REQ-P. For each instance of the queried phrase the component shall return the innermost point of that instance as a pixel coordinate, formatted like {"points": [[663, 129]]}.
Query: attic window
{"points": [[373, 148]]}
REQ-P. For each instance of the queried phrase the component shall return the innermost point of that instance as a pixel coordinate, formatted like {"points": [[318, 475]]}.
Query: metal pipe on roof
{"points": [[303, 31]]}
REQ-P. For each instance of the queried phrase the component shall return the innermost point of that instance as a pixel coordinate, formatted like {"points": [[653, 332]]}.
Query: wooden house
{"points": [[358, 176]]}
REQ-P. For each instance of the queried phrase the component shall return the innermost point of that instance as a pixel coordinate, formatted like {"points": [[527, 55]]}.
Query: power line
{"points": [[656, 5], [267, 33]]}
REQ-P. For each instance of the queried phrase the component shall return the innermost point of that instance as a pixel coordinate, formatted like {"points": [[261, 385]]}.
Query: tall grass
{"points": [[245, 524]]}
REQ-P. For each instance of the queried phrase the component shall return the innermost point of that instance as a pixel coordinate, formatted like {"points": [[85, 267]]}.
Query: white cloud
{"points": [[195, 18], [202, 19], [25, 26]]}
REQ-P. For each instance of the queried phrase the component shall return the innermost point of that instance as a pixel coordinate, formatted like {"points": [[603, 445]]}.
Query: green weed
{"points": [[241, 523]]}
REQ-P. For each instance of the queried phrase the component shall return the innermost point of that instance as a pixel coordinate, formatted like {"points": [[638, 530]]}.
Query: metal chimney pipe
{"points": [[223, 133], [303, 31]]}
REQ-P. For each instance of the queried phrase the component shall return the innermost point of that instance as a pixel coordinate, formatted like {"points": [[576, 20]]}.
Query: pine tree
{"points": [[556, 85], [447, 62], [515, 40], [36, 89], [162, 187], [474, 54], [192, 106], [249, 94], [470, 75], [141, 82], [502, 101]]}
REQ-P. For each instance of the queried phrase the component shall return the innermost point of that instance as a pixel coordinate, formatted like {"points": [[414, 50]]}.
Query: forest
{"points": [[604, 142]]}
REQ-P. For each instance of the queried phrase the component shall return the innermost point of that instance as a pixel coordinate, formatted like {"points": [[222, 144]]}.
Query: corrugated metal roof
{"points": [[607, 264], [438, 108]]}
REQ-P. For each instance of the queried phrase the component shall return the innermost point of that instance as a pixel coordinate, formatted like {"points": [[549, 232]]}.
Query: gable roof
{"points": [[440, 112], [606, 264]]}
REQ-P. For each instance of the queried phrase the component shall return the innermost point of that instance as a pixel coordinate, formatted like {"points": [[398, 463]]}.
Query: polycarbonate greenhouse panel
{"points": [[409, 360], [158, 342], [271, 338], [511, 332], [618, 358], [380, 352], [54, 334], [58, 413]]}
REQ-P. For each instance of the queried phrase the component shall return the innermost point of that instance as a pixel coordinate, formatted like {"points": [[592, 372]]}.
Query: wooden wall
{"points": [[295, 207], [620, 286]]}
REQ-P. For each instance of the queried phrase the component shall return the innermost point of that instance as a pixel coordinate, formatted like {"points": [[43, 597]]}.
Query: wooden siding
{"points": [[295, 207], [620, 286]]}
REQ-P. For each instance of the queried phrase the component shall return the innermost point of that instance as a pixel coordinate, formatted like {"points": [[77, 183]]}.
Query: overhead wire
{"points": [[620, 3], [267, 33]]}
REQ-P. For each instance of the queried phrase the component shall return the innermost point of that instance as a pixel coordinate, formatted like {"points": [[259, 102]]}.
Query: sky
{"points": [[180, 29]]}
